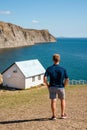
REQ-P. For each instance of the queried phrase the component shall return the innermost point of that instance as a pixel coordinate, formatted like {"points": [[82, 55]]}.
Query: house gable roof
{"points": [[8, 68], [29, 68]]}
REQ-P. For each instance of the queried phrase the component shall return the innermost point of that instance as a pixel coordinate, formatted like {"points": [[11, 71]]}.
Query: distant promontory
{"points": [[12, 36]]}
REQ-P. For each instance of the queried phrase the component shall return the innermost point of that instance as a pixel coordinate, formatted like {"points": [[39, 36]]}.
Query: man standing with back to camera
{"points": [[58, 80]]}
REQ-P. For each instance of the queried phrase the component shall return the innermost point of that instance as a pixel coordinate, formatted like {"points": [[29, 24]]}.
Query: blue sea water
{"points": [[73, 53]]}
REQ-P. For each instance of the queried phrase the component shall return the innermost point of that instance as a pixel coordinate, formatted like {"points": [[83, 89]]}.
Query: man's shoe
{"points": [[53, 118], [63, 116]]}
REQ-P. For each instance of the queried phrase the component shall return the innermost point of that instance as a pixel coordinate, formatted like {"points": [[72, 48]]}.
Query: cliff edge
{"points": [[15, 36]]}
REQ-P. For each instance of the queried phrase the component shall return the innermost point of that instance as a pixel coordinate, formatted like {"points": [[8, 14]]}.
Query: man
{"points": [[58, 79]]}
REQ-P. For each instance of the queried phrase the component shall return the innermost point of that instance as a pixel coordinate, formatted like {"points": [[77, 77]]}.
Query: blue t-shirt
{"points": [[56, 75]]}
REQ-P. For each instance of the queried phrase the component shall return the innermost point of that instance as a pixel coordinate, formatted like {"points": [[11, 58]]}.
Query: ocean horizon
{"points": [[73, 53]]}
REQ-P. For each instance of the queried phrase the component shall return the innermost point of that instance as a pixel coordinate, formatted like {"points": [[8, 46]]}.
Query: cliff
{"points": [[15, 36]]}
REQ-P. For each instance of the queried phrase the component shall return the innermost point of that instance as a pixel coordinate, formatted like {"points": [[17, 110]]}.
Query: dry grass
{"points": [[30, 110]]}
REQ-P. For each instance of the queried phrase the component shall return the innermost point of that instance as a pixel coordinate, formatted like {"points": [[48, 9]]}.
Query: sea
{"points": [[73, 52]]}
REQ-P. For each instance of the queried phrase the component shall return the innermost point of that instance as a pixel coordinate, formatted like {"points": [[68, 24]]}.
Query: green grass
{"points": [[12, 99]]}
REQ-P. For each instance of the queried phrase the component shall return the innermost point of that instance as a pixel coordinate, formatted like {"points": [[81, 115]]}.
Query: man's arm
{"points": [[46, 82], [66, 82]]}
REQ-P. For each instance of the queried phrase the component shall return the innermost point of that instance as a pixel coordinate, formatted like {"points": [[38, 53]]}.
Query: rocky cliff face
{"points": [[15, 36]]}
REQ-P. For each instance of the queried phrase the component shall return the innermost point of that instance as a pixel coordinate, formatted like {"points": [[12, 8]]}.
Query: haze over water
{"points": [[73, 53]]}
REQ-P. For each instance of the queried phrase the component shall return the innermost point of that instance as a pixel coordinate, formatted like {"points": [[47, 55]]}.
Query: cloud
{"points": [[35, 21], [7, 12]]}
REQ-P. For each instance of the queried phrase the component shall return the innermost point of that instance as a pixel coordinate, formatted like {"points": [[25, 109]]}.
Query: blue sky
{"points": [[63, 18]]}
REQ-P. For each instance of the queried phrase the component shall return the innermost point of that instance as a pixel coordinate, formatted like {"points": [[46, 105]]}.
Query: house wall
{"points": [[29, 83], [13, 77]]}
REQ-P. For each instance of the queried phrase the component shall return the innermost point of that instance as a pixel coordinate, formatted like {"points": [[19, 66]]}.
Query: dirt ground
{"points": [[30, 110]]}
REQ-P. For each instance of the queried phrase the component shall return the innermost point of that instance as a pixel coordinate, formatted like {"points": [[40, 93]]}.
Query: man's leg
{"points": [[53, 107], [62, 106], [61, 96]]}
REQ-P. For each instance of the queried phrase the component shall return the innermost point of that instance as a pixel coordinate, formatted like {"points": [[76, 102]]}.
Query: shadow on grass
{"points": [[4, 88], [7, 88], [22, 121]]}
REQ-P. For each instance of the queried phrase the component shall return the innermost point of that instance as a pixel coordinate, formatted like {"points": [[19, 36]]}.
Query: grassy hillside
{"points": [[30, 110]]}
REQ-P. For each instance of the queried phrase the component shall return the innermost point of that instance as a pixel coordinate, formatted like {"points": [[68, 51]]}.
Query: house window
{"points": [[33, 79], [39, 77], [14, 71]]}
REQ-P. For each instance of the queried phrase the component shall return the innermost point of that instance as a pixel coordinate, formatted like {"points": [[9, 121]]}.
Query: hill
{"points": [[15, 36], [30, 110]]}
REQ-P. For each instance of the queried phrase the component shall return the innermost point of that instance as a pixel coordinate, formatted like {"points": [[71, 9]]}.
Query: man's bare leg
{"points": [[53, 107], [62, 106]]}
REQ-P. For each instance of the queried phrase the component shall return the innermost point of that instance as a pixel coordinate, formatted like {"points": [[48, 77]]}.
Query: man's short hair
{"points": [[56, 57]]}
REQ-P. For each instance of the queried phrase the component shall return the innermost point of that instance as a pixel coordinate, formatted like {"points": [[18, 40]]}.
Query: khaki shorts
{"points": [[54, 91]]}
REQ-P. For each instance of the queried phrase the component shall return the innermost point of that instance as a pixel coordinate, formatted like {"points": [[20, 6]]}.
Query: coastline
{"points": [[13, 36]]}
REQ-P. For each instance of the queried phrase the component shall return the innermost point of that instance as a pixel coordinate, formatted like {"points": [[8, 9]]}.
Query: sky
{"points": [[63, 18]]}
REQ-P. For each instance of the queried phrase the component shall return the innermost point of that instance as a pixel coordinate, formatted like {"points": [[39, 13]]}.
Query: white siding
{"points": [[29, 83], [14, 79]]}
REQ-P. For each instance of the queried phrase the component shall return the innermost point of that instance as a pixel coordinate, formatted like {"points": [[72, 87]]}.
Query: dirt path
{"points": [[33, 113]]}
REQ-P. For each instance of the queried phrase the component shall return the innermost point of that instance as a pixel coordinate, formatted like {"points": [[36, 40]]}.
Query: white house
{"points": [[24, 74]]}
